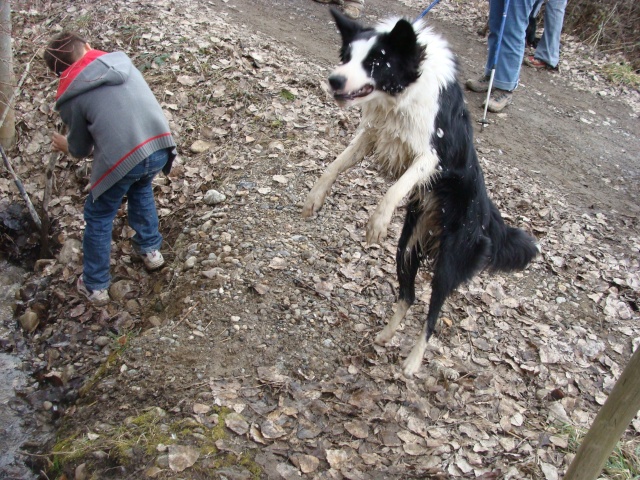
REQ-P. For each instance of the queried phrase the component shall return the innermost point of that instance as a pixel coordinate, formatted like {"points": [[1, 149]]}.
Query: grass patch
{"points": [[622, 74], [622, 464]]}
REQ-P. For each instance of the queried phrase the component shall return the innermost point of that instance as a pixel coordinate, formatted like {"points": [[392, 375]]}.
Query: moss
{"points": [[121, 343], [287, 95], [70, 449], [136, 440], [249, 463], [100, 373]]}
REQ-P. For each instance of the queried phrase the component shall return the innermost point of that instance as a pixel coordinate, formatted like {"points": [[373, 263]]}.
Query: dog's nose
{"points": [[337, 82]]}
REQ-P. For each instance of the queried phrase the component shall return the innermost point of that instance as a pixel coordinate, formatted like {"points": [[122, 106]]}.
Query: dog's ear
{"points": [[348, 28], [403, 37]]}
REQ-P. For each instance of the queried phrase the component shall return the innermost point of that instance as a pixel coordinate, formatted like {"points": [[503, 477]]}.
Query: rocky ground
{"points": [[250, 354]]}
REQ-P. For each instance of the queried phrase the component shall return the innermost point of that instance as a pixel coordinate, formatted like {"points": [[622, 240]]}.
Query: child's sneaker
{"points": [[352, 9], [152, 260], [98, 298]]}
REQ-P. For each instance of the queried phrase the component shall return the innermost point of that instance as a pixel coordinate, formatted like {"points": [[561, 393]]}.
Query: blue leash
{"points": [[433, 4]]}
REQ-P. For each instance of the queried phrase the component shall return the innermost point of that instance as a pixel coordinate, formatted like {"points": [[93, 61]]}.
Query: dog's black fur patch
{"points": [[472, 235]]}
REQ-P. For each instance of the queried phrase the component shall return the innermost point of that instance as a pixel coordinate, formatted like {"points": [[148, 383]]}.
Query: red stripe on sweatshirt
{"points": [[106, 174]]}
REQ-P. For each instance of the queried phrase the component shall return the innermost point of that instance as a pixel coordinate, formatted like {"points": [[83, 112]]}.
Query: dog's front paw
{"points": [[377, 227], [384, 336], [414, 360], [314, 202], [412, 364]]}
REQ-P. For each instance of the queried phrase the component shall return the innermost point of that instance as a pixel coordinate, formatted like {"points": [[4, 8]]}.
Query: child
{"points": [[111, 112]]}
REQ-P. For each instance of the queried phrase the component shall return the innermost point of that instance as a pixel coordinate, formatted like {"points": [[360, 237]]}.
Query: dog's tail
{"points": [[512, 248]]}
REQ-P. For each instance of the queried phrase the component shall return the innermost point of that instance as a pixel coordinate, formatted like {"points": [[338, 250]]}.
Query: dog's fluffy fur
{"points": [[415, 123]]}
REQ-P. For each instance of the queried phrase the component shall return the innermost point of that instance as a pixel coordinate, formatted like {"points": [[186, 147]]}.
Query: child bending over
{"points": [[110, 112]]}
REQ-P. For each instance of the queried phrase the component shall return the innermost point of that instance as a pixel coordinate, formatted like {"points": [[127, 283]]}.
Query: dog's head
{"points": [[375, 62]]}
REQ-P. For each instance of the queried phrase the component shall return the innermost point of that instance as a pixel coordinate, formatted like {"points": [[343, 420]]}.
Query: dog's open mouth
{"points": [[346, 96]]}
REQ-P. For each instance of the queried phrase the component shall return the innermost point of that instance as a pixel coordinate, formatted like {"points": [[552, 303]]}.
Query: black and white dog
{"points": [[415, 123]]}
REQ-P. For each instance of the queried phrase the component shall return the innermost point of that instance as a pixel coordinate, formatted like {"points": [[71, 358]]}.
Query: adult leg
{"points": [[548, 49], [512, 46]]}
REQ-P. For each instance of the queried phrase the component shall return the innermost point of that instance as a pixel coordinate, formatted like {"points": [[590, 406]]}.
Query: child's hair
{"points": [[63, 50]]}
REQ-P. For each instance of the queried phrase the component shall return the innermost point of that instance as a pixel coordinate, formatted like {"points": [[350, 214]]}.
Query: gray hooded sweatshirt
{"points": [[110, 110]]}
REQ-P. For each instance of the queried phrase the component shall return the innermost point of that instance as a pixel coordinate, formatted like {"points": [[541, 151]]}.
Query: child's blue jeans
{"points": [[141, 213]]}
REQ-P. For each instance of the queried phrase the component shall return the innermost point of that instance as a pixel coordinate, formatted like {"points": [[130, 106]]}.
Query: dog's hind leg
{"points": [[441, 287], [453, 267], [407, 263]]}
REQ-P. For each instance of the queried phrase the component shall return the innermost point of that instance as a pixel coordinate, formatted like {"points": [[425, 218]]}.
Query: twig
{"points": [[45, 251], [23, 192], [185, 315]]}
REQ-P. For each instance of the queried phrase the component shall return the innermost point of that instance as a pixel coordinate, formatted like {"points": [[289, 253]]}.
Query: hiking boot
{"points": [[499, 100], [336, 2], [479, 85], [152, 260], [98, 298], [352, 9]]}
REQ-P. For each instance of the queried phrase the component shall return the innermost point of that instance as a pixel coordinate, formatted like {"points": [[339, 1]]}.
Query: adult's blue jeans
{"points": [[141, 213], [548, 49], [513, 41]]}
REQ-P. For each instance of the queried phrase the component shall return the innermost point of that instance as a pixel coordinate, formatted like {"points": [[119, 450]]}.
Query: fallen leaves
{"points": [[516, 355]]}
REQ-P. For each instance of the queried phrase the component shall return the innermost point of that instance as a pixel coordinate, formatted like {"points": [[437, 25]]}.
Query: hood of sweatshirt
{"points": [[93, 70]]}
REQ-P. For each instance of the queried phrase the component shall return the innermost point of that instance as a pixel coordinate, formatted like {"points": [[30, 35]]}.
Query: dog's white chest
{"points": [[393, 136]]}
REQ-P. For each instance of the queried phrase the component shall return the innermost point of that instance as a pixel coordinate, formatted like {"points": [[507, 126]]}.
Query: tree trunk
{"points": [[7, 130], [613, 418]]}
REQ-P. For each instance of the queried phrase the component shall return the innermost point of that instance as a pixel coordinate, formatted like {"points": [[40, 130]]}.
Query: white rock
{"points": [[190, 263], [214, 197], [69, 251], [200, 146]]}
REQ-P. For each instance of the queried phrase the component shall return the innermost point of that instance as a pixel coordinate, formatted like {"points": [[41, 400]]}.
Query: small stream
{"points": [[16, 416]]}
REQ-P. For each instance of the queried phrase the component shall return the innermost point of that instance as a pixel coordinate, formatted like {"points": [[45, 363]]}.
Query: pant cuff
{"points": [[142, 251]]}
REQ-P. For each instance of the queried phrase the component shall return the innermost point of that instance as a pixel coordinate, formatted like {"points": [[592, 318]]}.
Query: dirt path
{"points": [[250, 354], [565, 136]]}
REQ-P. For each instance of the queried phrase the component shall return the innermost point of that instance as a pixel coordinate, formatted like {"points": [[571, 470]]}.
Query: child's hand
{"points": [[59, 143]]}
